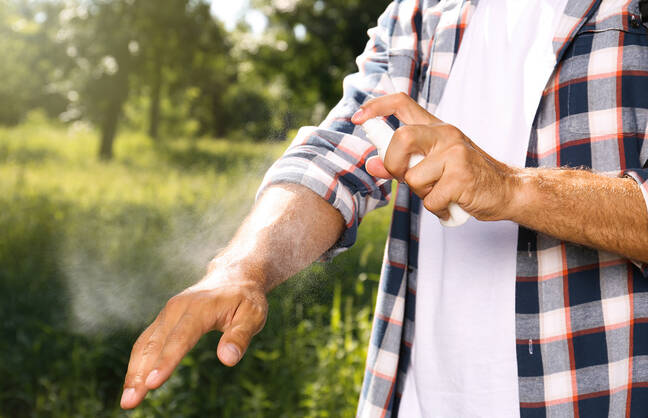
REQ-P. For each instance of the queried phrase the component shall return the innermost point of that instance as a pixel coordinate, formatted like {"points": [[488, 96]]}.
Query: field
{"points": [[90, 251]]}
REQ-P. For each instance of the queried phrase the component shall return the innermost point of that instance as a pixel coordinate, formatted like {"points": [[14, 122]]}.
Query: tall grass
{"points": [[90, 251]]}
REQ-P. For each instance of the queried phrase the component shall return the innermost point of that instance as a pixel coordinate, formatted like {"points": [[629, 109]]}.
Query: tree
{"points": [[121, 46], [179, 40], [98, 36], [316, 42], [29, 60]]}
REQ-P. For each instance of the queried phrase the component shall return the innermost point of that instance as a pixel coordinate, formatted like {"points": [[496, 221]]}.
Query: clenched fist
{"points": [[454, 168]]}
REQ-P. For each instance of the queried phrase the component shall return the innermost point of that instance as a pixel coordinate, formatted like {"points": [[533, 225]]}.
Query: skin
{"points": [[290, 227], [579, 206]]}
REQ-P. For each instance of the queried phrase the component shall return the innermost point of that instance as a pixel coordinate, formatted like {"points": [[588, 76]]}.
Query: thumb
{"points": [[247, 322], [376, 168]]}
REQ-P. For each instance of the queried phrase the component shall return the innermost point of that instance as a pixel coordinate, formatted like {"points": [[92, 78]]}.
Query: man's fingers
{"points": [[376, 168], [134, 389], [248, 320], [400, 105], [407, 141], [182, 322], [145, 352], [440, 197], [422, 177], [182, 338]]}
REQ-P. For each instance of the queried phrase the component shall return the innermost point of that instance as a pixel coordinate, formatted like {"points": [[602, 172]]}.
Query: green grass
{"points": [[90, 251]]}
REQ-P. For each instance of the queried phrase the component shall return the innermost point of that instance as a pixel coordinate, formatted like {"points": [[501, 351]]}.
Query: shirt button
{"points": [[634, 21]]}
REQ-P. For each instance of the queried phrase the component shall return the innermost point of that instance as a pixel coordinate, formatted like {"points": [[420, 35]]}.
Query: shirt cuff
{"points": [[641, 177]]}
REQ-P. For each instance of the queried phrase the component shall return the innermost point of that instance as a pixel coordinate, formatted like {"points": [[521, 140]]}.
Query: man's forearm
{"points": [[606, 213], [289, 228]]}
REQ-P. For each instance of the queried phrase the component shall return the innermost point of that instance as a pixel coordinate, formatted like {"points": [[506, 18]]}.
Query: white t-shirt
{"points": [[463, 360]]}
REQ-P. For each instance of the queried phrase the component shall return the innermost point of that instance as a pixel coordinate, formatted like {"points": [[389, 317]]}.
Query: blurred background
{"points": [[133, 136]]}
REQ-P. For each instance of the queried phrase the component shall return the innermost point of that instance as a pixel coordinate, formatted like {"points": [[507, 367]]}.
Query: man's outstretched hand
{"points": [[225, 302], [288, 228]]}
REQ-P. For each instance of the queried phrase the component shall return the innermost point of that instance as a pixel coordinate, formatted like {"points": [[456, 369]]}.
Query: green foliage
{"points": [[169, 68], [249, 110], [27, 64], [313, 62], [90, 57], [91, 250]]}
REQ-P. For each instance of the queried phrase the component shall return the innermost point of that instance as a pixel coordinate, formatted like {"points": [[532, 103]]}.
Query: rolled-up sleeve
{"points": [[330, 159], [641, 177]]}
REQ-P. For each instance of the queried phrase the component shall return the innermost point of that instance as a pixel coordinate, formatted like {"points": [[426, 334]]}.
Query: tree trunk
{"points": [[219, 115], [109, 130], [115, 94], [156, 89]]}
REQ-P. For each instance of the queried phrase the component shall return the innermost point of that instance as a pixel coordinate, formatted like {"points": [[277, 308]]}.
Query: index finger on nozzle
{"points": [[360, 116], [378, 106], [373, 108], [398, 104], [386, 105]]}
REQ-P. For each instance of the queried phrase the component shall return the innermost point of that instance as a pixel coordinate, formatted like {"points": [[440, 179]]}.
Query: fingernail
{"points": [[230, 354], [128, 397], [150, 380], [357, 114]]}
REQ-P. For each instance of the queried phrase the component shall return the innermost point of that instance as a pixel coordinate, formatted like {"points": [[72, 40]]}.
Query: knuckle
{"points": [[244, 333], [151, 347], [177, 344], [402, 98], [458, 152], [456, 182], [185, 345], [137, 347], [259, 315], [404, 136], [436, 201], [452, 132], [463, 178], [429, 205], [410, 178], [256, 312], [194, 323], [413, 180], [174, 303], [129, 379], [137, 379], [390, 165]]}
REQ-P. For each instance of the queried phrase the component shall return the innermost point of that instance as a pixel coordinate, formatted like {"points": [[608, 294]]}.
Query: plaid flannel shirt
{"points": [[581, 314]]}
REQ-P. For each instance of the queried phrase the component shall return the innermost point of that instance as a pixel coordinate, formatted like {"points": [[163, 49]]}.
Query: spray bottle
{"points": [[380, 134]]}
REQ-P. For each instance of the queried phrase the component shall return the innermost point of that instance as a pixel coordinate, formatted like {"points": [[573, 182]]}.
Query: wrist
{"points": [[521, 191], [227, 271]]}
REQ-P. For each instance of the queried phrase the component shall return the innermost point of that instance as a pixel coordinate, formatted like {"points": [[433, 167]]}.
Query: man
{"points": [[534, 310]]}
